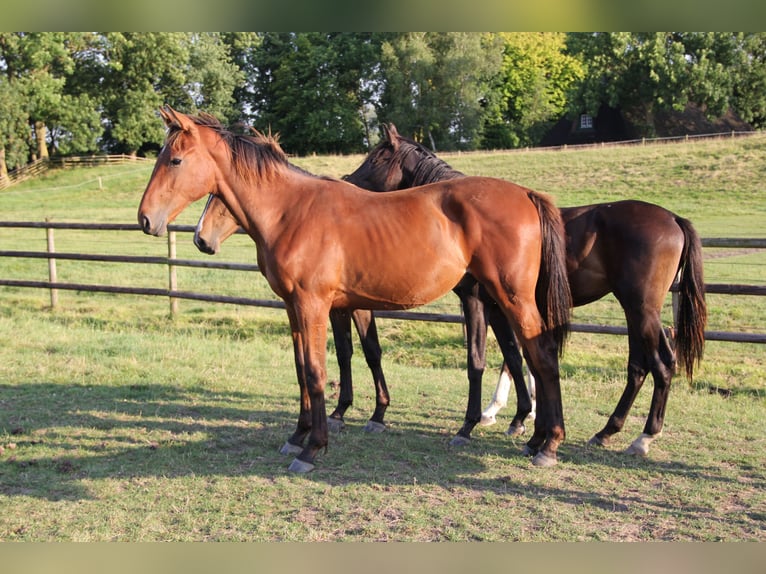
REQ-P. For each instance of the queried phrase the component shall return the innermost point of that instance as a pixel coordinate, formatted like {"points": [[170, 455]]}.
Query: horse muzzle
{"points": [[149, 227], [204, 246]]}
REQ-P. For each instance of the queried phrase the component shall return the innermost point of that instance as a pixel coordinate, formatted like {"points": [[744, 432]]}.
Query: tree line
{"points": [[73, 93]]}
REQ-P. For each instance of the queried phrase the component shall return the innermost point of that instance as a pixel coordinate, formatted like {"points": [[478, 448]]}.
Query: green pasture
{"points": [[120, 423]]}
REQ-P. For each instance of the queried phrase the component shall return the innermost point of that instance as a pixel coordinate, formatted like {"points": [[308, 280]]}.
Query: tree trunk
{"points": [[40, 133], [431, 139], [3, 165]]}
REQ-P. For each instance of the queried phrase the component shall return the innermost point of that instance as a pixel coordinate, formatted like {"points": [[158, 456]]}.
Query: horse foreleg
{"points": [[368, 335], [513, 364], [294, 444], [340, 320], [308, 321], [476, 335]]}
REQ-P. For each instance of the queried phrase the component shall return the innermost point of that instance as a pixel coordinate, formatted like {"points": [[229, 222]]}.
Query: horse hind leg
{"points": [[368, 335], [499, 398], [541, 351], [636, 373], [647, 347], [340, 320], [663, 368], [513, 368], [549, 433]]}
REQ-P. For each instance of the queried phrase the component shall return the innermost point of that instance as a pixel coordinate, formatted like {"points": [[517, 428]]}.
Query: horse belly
{"points": [[402, 284], [408, 258]]}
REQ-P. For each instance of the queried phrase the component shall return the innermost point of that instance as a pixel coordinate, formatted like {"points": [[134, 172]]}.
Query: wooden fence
{"points": [[40, 166], [174, 294]]}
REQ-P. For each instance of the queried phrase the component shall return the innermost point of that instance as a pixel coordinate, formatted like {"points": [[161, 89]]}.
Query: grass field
{"points": [[117, 423]]}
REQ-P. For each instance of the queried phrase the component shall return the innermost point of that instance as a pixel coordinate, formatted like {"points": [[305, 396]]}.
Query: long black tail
{"points": [[692, 309], [554, 299]]}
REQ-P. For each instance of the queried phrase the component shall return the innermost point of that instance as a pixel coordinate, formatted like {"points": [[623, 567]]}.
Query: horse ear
{"points": [[175, 119], [391, 135]]}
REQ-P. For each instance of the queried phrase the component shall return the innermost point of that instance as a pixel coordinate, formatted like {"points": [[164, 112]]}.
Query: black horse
{"points": [[632, 249]]}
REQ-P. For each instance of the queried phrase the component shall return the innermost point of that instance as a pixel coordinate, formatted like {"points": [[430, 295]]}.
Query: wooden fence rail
{"points": [[40, 166], [174, 294]]}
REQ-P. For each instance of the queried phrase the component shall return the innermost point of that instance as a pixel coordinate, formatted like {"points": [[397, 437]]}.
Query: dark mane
{"points": [[254, 154], [427, 167]]}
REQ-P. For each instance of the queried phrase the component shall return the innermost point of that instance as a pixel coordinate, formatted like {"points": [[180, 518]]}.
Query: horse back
{"points": [[611, 245]]}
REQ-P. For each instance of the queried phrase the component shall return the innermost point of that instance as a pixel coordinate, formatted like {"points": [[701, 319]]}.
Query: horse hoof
{"points": [[487, 420], [636, 451], [459, 440], [374, 427], [290, 448], [514, 430], [528, 451], [542, 460], [300, 467], [335, 425], [640, 446], [596, 441]]}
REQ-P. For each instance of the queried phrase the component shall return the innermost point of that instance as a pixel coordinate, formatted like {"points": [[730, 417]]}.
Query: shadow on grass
{"points": [[65, 436]]}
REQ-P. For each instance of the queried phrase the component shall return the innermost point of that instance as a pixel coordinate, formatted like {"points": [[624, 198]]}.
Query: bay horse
{"points": [[324, 244], [632, 249], [218, 224]]}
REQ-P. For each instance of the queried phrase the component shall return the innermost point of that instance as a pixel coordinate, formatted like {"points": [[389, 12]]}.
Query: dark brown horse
{"points": [[325, 244], [633, 249]]}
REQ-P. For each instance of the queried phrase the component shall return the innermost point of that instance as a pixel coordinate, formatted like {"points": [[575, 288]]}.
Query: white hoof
{"points": [[516, 430], [289, 448], [487, 420], [300, 467], [640, 446]]}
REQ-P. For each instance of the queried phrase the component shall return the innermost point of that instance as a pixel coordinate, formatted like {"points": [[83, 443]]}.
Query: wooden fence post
{"points": [[52, 275], [172, 279]]}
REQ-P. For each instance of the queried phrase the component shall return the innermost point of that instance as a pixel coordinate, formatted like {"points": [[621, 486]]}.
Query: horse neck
{"points": [[261, 205], [430, 169]]}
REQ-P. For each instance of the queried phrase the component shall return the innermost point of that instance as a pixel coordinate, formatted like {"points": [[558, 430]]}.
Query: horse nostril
{"points": [[203, 245], [145, 224]]}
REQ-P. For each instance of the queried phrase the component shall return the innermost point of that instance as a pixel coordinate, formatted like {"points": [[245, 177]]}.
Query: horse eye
{"points": [[176, 161]]}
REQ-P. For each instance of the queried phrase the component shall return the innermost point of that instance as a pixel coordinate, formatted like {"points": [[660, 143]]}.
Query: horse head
{"points": [[215, 225], [184, 172]]}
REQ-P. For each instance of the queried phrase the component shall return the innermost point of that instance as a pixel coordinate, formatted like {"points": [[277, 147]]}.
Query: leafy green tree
{"points": [[143, 70], [211, 75], [14, 128], [242, 51], [749, 91], [531, 90], [434, 85], [38, 68], [642, 73], [310, 88]]}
